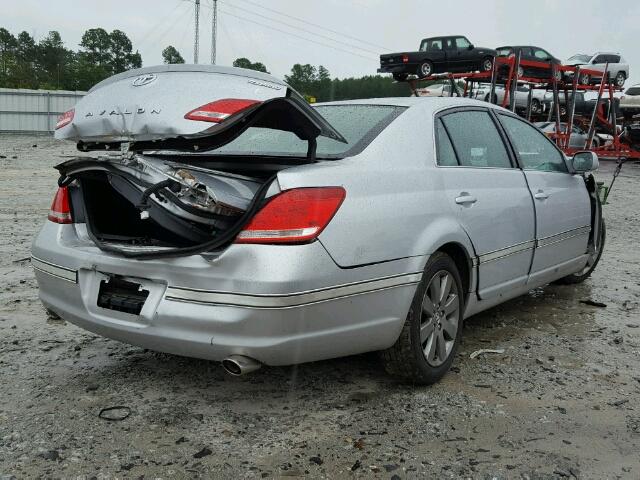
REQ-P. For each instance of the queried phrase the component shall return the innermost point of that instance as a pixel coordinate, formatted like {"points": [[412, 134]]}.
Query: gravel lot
{"points": [[562, 401]]}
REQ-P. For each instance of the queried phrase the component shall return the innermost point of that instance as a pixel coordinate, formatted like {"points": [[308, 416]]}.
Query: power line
{"points": [[313, 24], [196, 41], [214, 31], [350, 45], [298, 36]]}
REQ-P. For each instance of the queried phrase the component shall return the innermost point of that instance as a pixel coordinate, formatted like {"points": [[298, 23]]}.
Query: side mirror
{"points": [[470, 47], [585, 161]]}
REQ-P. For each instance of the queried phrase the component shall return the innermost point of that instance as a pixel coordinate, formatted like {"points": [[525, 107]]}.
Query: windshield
{"points": [[359, 124], [580, 58]]}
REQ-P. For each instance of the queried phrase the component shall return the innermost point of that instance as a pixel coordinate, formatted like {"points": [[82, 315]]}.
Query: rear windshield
{"points": [[358, 124], [633, 91], [504, 52]]}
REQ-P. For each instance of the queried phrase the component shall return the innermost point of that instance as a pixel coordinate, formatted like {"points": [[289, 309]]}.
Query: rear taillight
{"points": [[65, 119], [294, 216], [405, 58], [60, 208], [219, 110]]}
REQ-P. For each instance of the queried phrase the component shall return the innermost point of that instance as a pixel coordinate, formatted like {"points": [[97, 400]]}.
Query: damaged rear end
{"points": [[164, 177]]}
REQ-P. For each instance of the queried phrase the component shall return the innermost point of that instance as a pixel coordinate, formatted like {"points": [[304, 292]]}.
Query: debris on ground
{"points": [[593, 303], [484, 351], [115, 414]]}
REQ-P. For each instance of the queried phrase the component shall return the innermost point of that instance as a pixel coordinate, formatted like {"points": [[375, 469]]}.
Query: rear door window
{"points": [[535, 150], [446, 156], [476, 140]]}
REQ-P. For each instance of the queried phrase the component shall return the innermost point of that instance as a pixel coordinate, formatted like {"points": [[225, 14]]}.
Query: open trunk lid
{"points": [[145, 107]]}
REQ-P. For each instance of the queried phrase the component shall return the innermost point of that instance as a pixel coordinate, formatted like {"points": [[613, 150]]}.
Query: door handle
{"points": [[465, 198], [540, 195]]}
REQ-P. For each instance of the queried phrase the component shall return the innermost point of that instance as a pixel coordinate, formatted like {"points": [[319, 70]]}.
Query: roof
{"points": [[190, 68], [435, 103], [443, 36]]}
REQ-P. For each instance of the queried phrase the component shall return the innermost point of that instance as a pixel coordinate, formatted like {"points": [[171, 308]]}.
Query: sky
{"points": [[346, 36]]}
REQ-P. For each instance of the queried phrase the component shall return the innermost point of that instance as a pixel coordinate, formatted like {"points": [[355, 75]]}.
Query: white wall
{"points": [[34, 111]]}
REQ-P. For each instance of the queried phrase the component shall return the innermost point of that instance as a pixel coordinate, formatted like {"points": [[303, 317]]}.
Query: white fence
{"points": [[33, 111]]}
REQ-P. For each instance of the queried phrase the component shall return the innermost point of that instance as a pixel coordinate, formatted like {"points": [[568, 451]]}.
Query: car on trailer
{"points": [[236, 222], [618, 67], [578, 138], [529, 53], [630, 102], [538, 104], [438, 55]]}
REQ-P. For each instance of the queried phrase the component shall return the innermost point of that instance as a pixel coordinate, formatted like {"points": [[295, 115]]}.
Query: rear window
{"points": [[358, 124], [633, 91], [504, 52]]}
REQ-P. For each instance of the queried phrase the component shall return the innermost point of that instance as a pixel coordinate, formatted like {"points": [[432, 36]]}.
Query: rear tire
{"points": [[432, 330], [425, 69], [586, 272], [620, 79]]}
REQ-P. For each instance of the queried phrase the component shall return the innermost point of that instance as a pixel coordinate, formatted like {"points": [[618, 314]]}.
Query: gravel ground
{"points": [[562, 401]]}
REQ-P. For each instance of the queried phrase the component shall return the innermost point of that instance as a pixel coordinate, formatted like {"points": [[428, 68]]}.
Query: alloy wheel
{"points": [[425, 69], [440, 318], [487, 65], [620, 78]]}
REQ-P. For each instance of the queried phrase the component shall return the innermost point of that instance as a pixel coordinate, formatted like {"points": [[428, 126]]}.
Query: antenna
{"points": [[214, 31], [196, 42]]}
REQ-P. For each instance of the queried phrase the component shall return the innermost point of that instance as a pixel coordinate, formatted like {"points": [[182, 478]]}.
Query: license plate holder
{"points": [[121, 295]]}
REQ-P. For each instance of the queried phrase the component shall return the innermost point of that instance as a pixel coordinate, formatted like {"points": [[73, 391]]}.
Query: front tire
{"points": [[487, 64], [425, 70], [620, 79], [400, 77], [584, 79], [586, 272], [536, 106], [432, 330]]}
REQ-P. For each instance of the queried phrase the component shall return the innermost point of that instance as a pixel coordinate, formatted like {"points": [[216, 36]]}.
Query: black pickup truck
{"points": [[438, 55]]}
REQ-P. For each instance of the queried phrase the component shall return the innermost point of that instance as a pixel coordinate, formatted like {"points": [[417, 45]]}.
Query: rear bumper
{"points": [[394, 69], [278, 304]]}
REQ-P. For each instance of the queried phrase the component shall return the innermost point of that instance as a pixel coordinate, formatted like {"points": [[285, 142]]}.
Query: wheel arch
{"points": [[464, 264]]}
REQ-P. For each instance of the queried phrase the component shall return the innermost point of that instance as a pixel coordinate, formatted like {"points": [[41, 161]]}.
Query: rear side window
{"points": [[446, 154], [476, 140], [534, 149]]}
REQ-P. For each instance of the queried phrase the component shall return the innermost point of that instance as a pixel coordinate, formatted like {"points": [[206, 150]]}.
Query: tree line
{"points": [[49, 65]]}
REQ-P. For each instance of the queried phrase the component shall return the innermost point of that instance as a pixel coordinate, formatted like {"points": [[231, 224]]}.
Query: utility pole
{"points": [[196, 43], [214, 31]]}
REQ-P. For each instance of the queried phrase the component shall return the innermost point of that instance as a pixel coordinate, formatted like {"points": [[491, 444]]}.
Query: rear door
{"points": [[490, 195], [562, 204]]}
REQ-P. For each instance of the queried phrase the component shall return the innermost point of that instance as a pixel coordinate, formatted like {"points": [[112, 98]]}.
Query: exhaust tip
{"points": [[237, 365]]}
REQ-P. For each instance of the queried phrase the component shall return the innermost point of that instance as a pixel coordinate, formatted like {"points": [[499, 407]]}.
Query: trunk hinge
{"points": [[311, 149]]}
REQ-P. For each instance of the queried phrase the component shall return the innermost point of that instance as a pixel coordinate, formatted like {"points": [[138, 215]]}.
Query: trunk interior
{"points": [[109, 203]]}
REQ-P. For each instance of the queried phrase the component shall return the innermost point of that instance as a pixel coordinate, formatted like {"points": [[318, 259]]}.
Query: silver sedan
{"points": [[218, 215]]}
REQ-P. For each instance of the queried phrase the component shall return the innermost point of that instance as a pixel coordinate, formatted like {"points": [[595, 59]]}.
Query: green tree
{"points": [[243, 62], [96, 45], [8, 45], [24, 74], [121, 53], [171, 55], [55, 62], [303, 78]]}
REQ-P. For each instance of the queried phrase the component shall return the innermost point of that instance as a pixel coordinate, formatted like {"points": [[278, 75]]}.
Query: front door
{"points": [[562, 204], [491, 197]]}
